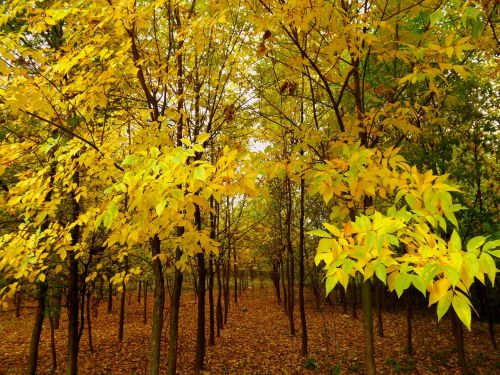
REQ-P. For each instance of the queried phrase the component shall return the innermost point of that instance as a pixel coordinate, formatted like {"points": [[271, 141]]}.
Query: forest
{"points": [[249, 187]]}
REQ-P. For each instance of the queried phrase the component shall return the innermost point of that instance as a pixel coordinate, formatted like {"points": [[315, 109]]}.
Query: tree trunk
{"points": [[211, 337], [483, 297], [200, 331], [73, 340], [122, 313], [458, 332], [158, 305], [18, 301], [366, 302], [276, 281], [89, 323], [409, 345], [283, 285], [303, 323], [110, 298], [139, 292], [37, 329], [235, 275], [353, 294], [53, 353], [145, 307], [291, 269], [380, 322], [174, 314], [218, 308]]}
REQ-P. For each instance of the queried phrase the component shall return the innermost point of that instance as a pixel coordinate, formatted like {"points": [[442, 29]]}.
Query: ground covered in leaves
{"points": [[255, 341]]}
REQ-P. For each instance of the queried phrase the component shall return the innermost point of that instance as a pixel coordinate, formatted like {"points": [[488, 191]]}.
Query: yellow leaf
{"points": [[438, 290]]}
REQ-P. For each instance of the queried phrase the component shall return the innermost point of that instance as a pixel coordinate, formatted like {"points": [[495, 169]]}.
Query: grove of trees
{"points": [[346, 144]]}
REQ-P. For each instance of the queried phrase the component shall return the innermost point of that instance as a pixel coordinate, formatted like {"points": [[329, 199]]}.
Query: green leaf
{"points": [[331, 281], [402, 283], [488, 266], [462, 308], [444, 304], [199, 173], [381, 272], [475, 243], [491, 245], [333, 229], [455, 242], [160, 207], [419, 283], [130, 160], [436, 16], [319, 233], [202, 137]]}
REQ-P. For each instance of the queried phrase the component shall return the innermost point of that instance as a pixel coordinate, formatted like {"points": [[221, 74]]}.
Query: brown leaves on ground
{"points": [[256, 341]]}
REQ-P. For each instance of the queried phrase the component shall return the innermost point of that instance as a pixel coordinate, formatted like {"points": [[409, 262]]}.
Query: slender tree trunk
{"points": [[409, 345], [158, 305], [174, 314], [353, 294], [366, 302], [227, 272], [110, 298], [291, 270], [53, 353], [380, 322], [303, 323], [458, 332], [37, 329], [211, 337], [200, 332], [276, 281], [235, 275], [218, 308], [145, 307], [139, 292], [73, 341], [122, 312], [89, 323], [283, 285], [487, 310], [18, 301], [344, 299]]}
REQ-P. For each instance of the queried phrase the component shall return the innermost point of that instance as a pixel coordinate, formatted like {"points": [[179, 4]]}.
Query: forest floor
{"points": [[256, 340]]}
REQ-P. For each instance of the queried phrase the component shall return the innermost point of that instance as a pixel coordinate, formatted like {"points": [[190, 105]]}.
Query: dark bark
{"points": [[174, 315], [37, 328], [211, 307], [483, 297], [303, 322], [110, 298], [276, 281], [378, 296], [218, 308], [121, 323], [139, 292], [18, 301], [291, 269], [89, 323], [158, 305], [283, 284], [366, 302], [73, 304], [145, 307], [200, 331], [53, 353], [353, 295], [458, 332], [409, 345]]}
